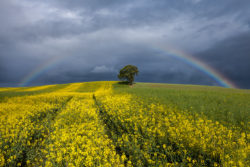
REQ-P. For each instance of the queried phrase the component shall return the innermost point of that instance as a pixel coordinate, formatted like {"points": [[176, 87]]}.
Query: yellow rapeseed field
{"points": [[71, 127]]}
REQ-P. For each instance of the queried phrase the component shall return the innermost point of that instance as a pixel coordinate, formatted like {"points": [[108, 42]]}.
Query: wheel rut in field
{"points": [[134, 148], [45, 118], [115, 132]]}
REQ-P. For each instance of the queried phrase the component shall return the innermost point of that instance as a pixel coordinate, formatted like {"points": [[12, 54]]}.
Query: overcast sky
{"points": [[88, 40]]}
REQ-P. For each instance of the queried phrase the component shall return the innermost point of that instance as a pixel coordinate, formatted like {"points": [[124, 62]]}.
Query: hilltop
{"points": [[109, 123]]}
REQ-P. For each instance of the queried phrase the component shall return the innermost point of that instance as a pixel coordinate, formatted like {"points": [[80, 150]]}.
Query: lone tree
{"points": [[128, 73]]}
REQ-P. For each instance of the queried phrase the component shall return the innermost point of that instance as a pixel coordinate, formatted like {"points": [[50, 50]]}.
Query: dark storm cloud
{"points": [[232, 58], [93, 39]]}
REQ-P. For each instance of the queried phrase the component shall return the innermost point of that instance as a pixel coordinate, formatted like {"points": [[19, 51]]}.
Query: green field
{"points": [[108, 123], [228, 106]]}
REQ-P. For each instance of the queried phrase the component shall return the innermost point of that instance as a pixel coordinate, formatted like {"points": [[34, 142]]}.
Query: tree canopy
{"points": [[128, 73]]}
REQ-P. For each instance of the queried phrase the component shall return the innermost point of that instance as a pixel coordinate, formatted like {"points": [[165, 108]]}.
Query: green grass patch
{"points": [[230, 107]]}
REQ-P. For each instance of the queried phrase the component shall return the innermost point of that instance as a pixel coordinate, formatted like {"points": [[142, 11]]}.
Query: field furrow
{"points": [[153, 134], [112, 124], [25, 125], [79, 139]]}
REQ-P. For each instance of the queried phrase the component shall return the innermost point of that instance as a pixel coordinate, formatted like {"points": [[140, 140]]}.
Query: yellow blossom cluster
{"points": [[90, 124], [55, 129], [155, 134], [7, 89], [79, 138], [23, 126], [38, 88], [70, 88]]}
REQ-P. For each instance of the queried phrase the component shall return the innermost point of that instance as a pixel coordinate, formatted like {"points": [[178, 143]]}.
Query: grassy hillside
{"points": [[112, 124], [230, 107]]}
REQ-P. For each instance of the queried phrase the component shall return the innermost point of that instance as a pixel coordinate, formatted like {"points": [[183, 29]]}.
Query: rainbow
{"points": [[46, 66], [196, 63], [179, 55]]}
